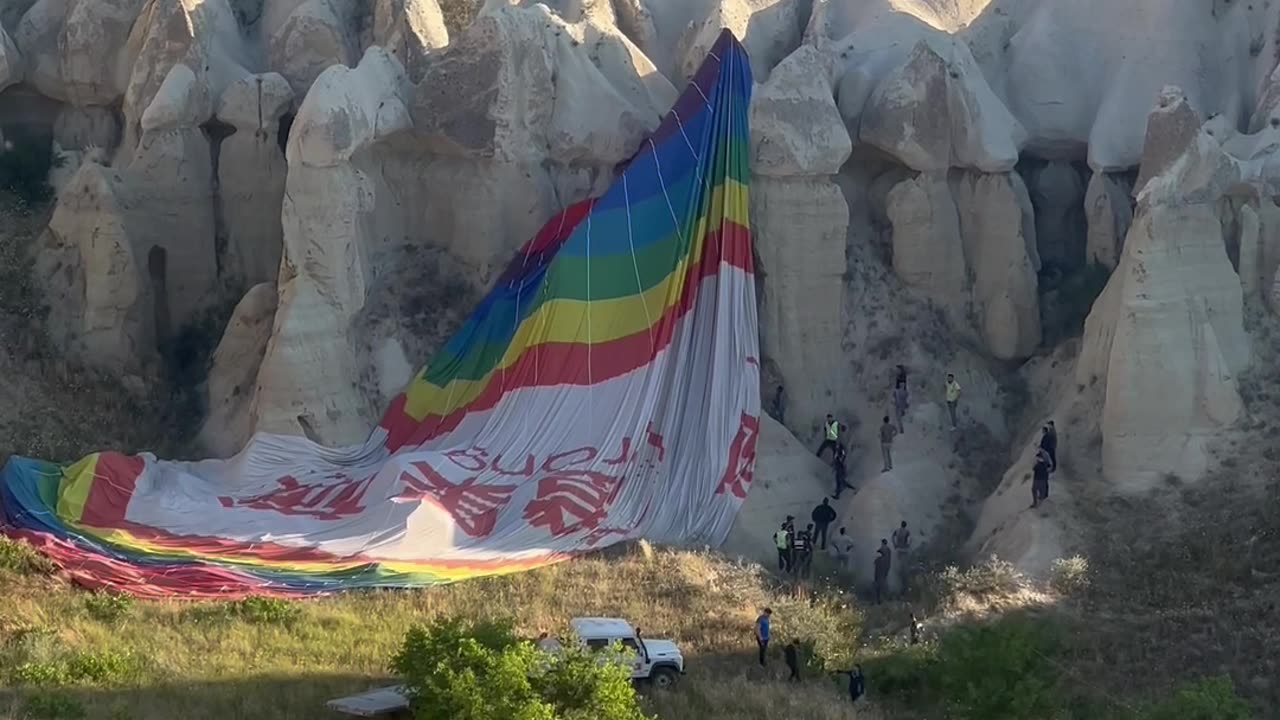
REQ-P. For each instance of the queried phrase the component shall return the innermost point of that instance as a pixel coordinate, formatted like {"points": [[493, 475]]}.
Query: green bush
{"points": [[50, 706], [99, 668], [1209, 699], [108, 607], [19, 557], [264, 610], [996, 671], [25, 162], [477, 671], [828, 630]]}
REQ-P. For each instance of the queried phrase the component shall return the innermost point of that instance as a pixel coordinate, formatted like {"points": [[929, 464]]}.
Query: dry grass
{"points": [[182, 660]]}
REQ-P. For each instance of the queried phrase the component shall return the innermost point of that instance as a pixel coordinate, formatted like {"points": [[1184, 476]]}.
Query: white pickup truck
{"points": [[658, 662]]}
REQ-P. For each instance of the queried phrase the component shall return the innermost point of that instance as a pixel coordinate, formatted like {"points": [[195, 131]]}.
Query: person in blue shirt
{"points": [[762, 632]]}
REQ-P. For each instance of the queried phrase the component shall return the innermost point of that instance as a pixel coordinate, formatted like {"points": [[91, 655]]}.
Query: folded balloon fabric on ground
{"points": [[606, 389]]}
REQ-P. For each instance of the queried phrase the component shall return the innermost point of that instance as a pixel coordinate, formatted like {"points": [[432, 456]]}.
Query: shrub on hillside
{"points": [[51, 706], [1069, 576], [19, 557], [264, 610], [456, 670], [107, 606], [1209, 699], [997, 671]]}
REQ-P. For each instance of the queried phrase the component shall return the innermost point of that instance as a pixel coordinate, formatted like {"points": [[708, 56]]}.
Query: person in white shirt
{"points": [[842, 549]]}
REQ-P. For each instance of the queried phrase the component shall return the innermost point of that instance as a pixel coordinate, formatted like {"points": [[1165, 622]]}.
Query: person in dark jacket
{"points": [[792, 655], [1040, 479], [884, 559], [838, 465], [804, 552], [1049, 444], [857, 682], [823, 516]]}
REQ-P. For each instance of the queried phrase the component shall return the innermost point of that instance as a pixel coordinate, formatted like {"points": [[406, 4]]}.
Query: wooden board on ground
{"points": [[382, 701]]}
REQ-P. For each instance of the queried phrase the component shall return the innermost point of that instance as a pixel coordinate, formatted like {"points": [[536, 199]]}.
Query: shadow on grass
{"points": [[299, 696]]}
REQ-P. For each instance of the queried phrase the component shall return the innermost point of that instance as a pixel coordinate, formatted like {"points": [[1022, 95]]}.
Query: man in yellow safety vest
{"points": [[832, 436]]}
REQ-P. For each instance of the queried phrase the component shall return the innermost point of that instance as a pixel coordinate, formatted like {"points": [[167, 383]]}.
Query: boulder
{"points": [[768, 29], [800, 226], [251, 177], [11, 66], [1171, 128], [96, 282], [928, 254], [796, 128], [314, 37], [1177, 346], [994, 216], [1108, 212], [79, 128], [181, 101], [37, 43], [409, 29], [234, 370], [937, 111], [94, 49], [330, 240]]}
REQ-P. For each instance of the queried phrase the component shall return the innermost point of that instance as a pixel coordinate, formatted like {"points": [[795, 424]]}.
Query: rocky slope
{"points": [[932, 182]]}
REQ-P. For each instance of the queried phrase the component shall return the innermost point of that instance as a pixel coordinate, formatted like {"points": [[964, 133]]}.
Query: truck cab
{"points": [[659, 662]]}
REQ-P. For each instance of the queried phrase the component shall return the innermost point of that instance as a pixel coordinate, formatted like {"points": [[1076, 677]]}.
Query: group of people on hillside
{"points": [[833, 431], [791, 652], [795, 549]]}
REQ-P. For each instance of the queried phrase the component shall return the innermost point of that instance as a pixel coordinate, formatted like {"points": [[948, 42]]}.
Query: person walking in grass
{"points": [[887, 433], [792, 655], [823, 516], [762, 633], [953, 398], [831, 435], [857, 682]]}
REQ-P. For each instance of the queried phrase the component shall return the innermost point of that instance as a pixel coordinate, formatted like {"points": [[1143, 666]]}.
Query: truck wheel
{"points": [[663, 678]]}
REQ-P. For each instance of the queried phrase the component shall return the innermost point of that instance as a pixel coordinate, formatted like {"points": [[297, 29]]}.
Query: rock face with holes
{"points": [[233, 372]]}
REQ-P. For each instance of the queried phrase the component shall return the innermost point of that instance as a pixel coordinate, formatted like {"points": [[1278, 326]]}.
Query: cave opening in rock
{"points": [[282, 133], [157, 270]]}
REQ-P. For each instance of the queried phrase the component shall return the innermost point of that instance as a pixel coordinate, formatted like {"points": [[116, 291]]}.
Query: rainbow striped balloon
{"points": [[606, 389]]}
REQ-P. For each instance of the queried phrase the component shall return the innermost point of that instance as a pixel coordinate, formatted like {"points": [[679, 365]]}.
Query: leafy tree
{"points": [[1209, 699], [998, 671], [480, 671]]}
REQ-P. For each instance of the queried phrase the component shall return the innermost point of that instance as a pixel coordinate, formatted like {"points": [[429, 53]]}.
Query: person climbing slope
{"points": [[831, 439], [1040, 479], [900, 401], [823, 515], [780, 405], [802, 560], [841, 471], [887, 433], [953, 398], [883, 561], [1049, 443], [782, 541], [902, 548]]}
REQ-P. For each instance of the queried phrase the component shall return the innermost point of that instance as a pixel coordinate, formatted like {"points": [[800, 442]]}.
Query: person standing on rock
{"points": [[1040, 479], [900, 399], [883, 562], [1049, 444], [831, 439], [762, 633], [838, 466], [887, 433], [900, 379], [782, 541], [953, 398], [780, 405], [823, 515]]}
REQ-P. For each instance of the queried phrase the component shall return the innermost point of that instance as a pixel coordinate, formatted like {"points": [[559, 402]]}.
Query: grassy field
{"points": [[63, 649]]}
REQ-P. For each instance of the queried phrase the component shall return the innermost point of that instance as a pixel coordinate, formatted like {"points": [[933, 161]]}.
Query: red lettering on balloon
{"points": [[740, 469], [550, 464], [571, 501], [473, 507], [322, 501]]}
